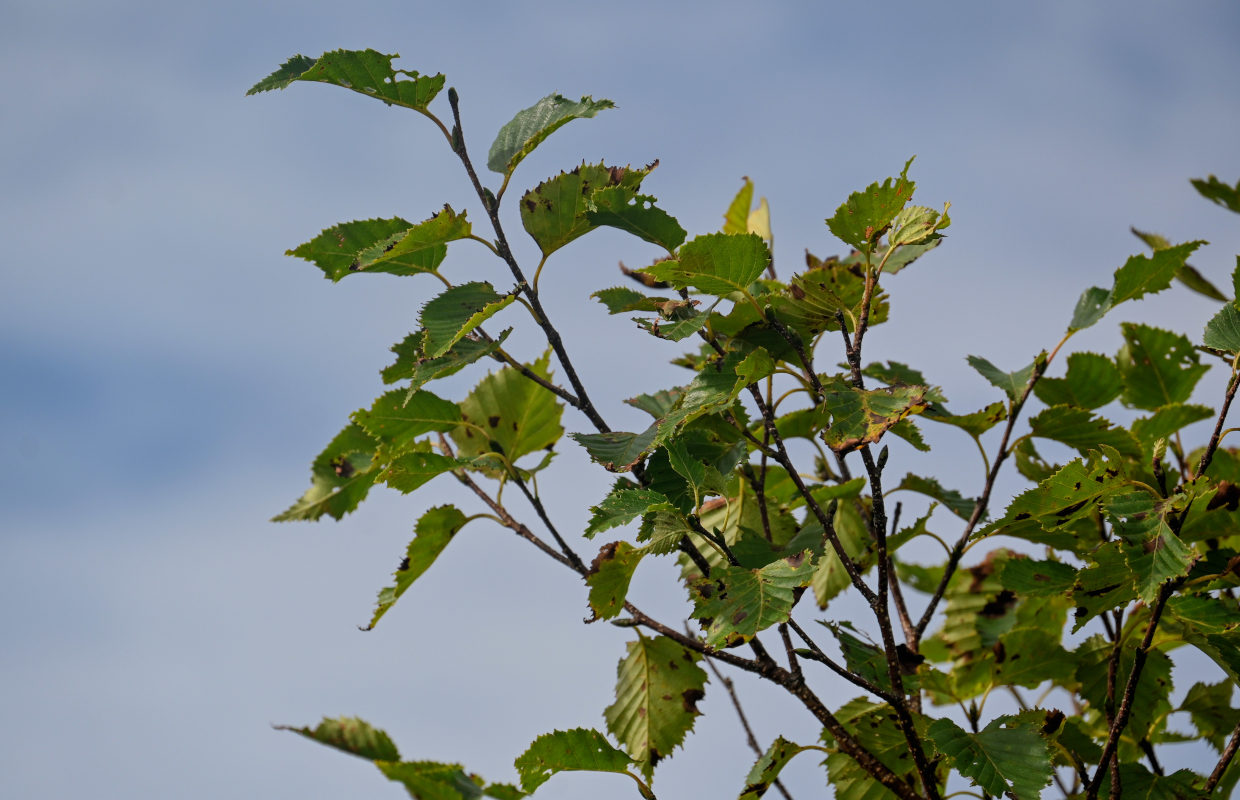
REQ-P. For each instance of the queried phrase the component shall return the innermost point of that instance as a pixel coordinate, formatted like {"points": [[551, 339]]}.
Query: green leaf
{"points": [[862, 416], [609, 578], [557, 211], [1012, 383], [830, 578], [1153, 686], [659, 684], [876, 729], [455, 312], [620, 299], [1104, 585], [351, 735], [974, 424], [1006, 756], [1140, 275], [340, 478], [766, 771], [409, 471], [398, 417], [1223, 330], [509, 413], [338, 250], [563, 751], [867, 214], [431, 780], [959, 505], [916, 225], [622, 506], [1158, 555], [1158, 367], [1037, 578], [907, 430], [364, 71], [617, 207], [894, 373], [412, 364], [419, 248], [1080, 429], [434, 530], [518, 138], [717, 263], [741, 602], [1187, 275], [736, 218], [658, 404], [813, 298], [865, 658], [1168, 420], [617, 451], [677, 320], [1092, 381], [1219, 192], [1209, 706], [1030, 463]]}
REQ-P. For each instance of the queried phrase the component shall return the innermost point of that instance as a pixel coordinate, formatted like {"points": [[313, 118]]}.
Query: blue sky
{"points": [[169, 374]]}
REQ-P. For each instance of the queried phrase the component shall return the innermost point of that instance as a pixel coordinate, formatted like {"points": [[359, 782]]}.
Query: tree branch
{"points": [[1228, 754]]}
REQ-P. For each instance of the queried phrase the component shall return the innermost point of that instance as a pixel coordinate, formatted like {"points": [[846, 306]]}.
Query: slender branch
{"points": [[798, 347], [1130, 689], [491, 205], [1148, 749], [503, 356], [510, 523], [752, 740], [793, 665], [815, 653], [687, 547], [1208, 455], [1228, 754], [534, 500], [845, 741]]}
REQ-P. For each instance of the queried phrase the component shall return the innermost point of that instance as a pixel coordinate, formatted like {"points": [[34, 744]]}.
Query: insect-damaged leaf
{"points": [[510, 413], [434, 530], [867, 214], [862, 416], [875, 728], [738, 602], [340, 477], [1140, 275], [609, 578], [618, 207], [410, 470], [1158, 367], [455, 312], [563, 751], [1007, 756], [622, 506], [351, 735], [557, 211], [1156, 554], [364, 71], [717, 263], [815, 297], [659, 685], [766, 771], [518, 138], [1092, 381], [412, 364], [417, 249]]}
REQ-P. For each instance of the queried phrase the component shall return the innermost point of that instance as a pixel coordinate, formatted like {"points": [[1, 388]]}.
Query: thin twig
{"points": [[1228, 754], [1208, 455], [542, 514], [752, 740], [491, 205], [815, 653]]}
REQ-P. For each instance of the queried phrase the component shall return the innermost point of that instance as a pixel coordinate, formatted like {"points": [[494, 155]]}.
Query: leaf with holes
{"points": [[518, 138], [557, 211], [618, 207], [435, 529], [814, 298], [419, 248], [1158, 367], [658, 687], [367, 72]]}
